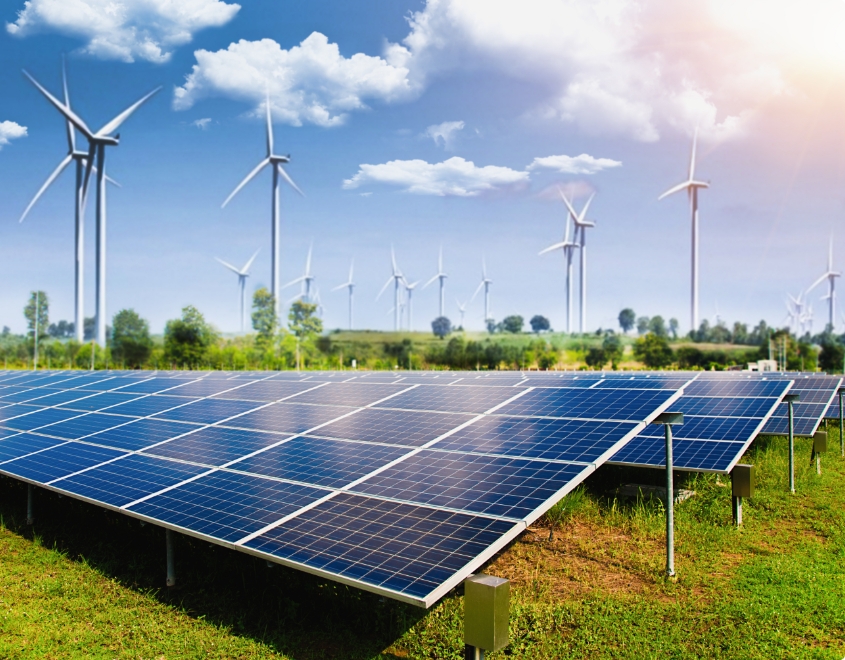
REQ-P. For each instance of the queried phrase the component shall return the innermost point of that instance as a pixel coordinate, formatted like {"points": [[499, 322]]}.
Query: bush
{"points": [[653, 351]]}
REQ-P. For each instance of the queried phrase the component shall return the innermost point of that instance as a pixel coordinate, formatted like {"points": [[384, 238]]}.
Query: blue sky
{"points": [[426, 123]]}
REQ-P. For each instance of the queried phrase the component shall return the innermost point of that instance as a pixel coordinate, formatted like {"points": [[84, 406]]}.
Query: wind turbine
{"points": [[442, 277], [318, 302], [581, 223], [485, 282], [306, 279], [242, 274], [97, 143], [349, 284], [830, 275], [80, 158], [568, 246], [462, 309], [691, 185], [275, 162], [397, 279], [409, 290]]}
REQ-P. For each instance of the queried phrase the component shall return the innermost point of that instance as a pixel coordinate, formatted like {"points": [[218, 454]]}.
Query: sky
{"points": [[425, 124]]}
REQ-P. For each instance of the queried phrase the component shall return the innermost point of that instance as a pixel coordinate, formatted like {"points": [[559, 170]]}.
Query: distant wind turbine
{"points": [[397, 279], [97, 143], [691, 185], [830, 275], [242, 274], [306, 279], [275, 162], [461, 309], [568, 246], [409, 290], [442, 277], [485, 283], [582, 224], [350, 285]]}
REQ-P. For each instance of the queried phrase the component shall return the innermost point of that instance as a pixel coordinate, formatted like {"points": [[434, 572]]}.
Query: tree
{"points": [[642, 325], [264, 319], [595, 357], [303, 320], [187, 340], [492, 326], [673, 328], [43, 309], [657, 325], [61, 330], [441, 326], [539, 324], [627, 319], [740, 333], [831, 356], [612, 347], [653, 351], [513, 323], [130, 339]]}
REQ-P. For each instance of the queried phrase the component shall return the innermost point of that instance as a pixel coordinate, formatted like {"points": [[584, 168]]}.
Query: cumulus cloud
{"points": [[583, 164], [201, 124], [10, 130], [126, 29], [444, 133], [309, 83], [454, 177]]}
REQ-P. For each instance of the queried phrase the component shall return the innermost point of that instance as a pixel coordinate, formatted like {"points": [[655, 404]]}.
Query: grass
{"points": [[88, 583]]}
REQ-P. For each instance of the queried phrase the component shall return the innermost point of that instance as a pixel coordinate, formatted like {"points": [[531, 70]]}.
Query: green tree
{"points": [[830, 358], [653, 351], [612, 347], [40, 300], [188, 339], [513, 323], [740, 333], [539, 324], [595, 357], [627, 319], [657, 325], [130, 339], [303, 320], [642, 325], [441, 326], [264, 319]]}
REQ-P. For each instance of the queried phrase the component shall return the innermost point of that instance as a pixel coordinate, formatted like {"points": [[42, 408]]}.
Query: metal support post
{"points": [[791, 399], [841, 424], [667, 419], [171, 568], [819, 447], [30, 505], [473, 653], [737, 510]]}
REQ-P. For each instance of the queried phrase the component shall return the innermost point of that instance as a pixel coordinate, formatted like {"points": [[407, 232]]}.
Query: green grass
{"points": [[87, 583]]}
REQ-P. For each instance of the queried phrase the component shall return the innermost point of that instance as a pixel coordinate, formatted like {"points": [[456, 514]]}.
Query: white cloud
{"points": [[201, 124], [583, 164], [444, 133], [10, 130], [454, 177], [309, 83], [124, 29]]}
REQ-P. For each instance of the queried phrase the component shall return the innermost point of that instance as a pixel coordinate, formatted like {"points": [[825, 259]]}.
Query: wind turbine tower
{"points": [[581, 225], [97, 143], [242, 274], [397, 278], [307, 279], [442, 277], [830, 275], [485, 282], [275, 161], [691, 185], [568, 246], [350, 285], [409, 290], [462, 308]]}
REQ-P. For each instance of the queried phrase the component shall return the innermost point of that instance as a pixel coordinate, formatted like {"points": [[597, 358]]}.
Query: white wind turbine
{"points": [[442, 277], [97, 143], [485, 283], [409, 290], [568, 246], [350, 285], [306, 279], [691, 185], [275, 162], [462, 308], [80, 158], [242, 274], [830, 275], [397, 278], [582, 224]]}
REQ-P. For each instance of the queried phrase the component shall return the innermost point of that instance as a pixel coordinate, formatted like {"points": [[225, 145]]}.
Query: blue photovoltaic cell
{"points": [[207, 411], [99, 401], [128, 479], [398, 427], [153, 385], [724, 406], [40, 418], [580, 383], [59, 461], [740, 429], [150, 405], [110, 383], [23, 444], [58, 398], [28, 395], [216, 445], [550, 439], [321, 462], [206, 387], [10, 391], [732, 388], [266, 391], [226, 505], [84, 425], [405, 548], [16, 410], [609, 404], [288, 417], [454, 398], [349, 394], [698, 455], [492, 485], [140, 433], [643, 383]]}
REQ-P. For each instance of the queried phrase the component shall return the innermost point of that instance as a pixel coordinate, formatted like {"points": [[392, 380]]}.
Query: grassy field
{"points": [[84, 582]]}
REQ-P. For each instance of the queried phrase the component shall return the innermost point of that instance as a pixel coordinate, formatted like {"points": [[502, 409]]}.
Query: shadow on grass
{"points": [[293, 613]]}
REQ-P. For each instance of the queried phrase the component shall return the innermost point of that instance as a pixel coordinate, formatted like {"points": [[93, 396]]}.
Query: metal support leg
{"points": [[791, 451], [473, 653], [841, 425], [670, 506], [30, 506], [737, 508], [818, 464], [171, 568]]}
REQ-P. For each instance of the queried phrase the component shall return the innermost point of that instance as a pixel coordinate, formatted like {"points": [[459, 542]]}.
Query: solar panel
{"points": [[816, 394]]}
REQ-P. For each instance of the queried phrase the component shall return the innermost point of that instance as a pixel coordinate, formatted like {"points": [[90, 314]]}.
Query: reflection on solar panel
{"points": [[816, 393], [402, 484]]}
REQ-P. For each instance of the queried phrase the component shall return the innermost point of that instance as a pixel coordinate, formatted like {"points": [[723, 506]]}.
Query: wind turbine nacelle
{"points": [[108, 141], [280, 159]]}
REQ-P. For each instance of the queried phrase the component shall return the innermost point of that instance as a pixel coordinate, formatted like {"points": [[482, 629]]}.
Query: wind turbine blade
{"points": [[483, 268], [351, 266], [817, 282], [556, 246], [386, 284], [308, 261], [341, 286], [433, 279], [440, 261], [296, 297], [674, 189], [89, 166], [269, 123], [67, 112], [249, 263], [246, 180], [289, 180], [477, 290], [830, 256], [296, 281], [65, 162], [228, 265], [115, 123], [393, 260], [568, 205], [692, 156], [583, 215], [111, 181], [71, 136]]}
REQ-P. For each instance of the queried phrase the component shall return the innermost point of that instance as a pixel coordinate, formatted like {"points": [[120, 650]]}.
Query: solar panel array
{"points": [[816, 392], [401, 484]]}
